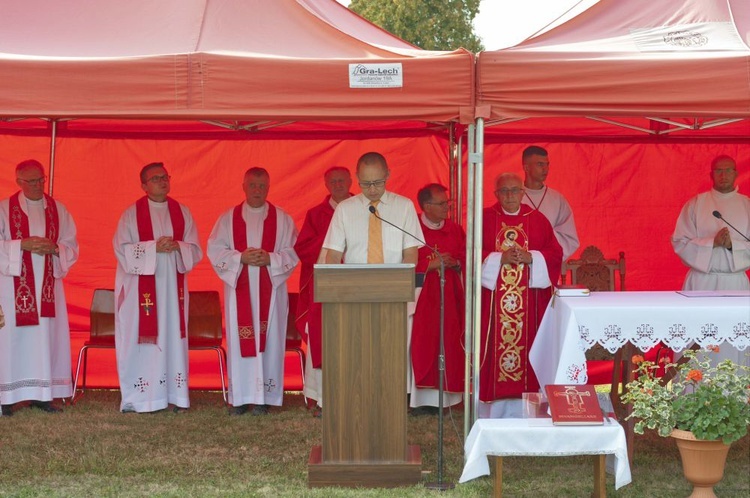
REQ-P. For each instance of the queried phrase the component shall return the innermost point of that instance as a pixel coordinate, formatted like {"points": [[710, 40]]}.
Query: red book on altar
{"points": [[573, 405]]}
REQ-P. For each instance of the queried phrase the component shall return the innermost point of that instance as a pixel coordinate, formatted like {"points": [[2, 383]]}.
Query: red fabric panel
{"points": [[97, 179], [626, 197]]}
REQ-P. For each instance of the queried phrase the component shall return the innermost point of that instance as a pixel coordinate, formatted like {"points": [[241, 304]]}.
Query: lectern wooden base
{"points": [[364, 355], [366, 475]]}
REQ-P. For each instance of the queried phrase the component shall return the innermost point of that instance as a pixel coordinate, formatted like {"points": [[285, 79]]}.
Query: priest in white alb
{"points": [[718, 256], [156, 245], [251, 248], [38, 246]]}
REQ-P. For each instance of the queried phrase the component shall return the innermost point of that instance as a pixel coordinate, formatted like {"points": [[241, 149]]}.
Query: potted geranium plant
{"points": [[704, 407]]}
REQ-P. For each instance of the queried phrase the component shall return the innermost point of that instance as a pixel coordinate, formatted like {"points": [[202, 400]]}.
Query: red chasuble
{"points": [[148, 324], [246, 329], [25, 285], [425, 336], [512, 313], [308, 246]]}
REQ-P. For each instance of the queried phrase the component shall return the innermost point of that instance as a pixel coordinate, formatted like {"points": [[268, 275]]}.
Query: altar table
{"points": [[571, 325]]}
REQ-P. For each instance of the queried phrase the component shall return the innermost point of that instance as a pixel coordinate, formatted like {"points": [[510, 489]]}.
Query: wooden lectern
{"points": [[364, 378]]}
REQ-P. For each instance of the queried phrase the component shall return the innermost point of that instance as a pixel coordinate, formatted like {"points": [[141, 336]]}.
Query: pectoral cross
{"points": [[574, 397], [147, 303]]}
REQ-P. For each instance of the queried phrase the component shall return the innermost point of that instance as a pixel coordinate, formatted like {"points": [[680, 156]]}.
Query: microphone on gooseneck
{"points": [[375, 212], [718, 215]]}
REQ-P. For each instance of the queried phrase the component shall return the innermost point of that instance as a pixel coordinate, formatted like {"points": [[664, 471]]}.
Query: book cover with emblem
{"points": [[573, 405]]}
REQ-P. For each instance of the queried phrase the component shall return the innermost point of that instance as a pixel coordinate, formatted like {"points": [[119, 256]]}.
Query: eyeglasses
{"points": [[159, 179], [724, 171], [374, 183], [509, 191], [34, 181], [441, 204]]}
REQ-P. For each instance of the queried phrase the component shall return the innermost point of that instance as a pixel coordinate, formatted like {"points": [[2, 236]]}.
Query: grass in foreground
{"points": [[93, 450]]}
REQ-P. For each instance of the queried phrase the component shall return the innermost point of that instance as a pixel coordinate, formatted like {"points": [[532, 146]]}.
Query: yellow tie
{"points": [[375, 238]]}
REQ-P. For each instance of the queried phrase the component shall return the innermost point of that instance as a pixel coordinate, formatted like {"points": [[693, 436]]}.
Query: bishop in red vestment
{"points": [[521, 260]]}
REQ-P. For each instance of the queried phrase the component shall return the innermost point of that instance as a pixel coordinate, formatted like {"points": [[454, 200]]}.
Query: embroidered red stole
{"points": [[148, 325], [242, 291], [24, 285]]}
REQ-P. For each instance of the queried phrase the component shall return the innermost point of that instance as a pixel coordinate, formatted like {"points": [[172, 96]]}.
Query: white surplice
{"points": [[715, 268], [35, 359], [152, 375], [557, 210], [255, 380]]}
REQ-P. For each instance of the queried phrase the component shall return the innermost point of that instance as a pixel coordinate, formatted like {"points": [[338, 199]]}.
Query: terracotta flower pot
{"points": [[702, 462]]}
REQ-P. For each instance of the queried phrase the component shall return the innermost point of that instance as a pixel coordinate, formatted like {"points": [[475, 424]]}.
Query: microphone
{"points": [[717, 215], [428, 246]]}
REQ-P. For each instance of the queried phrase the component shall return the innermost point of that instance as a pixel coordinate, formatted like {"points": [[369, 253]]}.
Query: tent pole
{"points": [[469, 287], [53, 141], [458, 203], [478, 159], [452, 167]]}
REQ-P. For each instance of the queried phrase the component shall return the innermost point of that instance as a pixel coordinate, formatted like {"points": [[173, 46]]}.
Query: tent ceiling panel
{"points": [[678, 58], [216, 59]]}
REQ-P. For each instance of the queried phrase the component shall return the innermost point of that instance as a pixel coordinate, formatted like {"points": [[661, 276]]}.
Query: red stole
{"points": [[24, 285], [242, 291], [148, 325]]}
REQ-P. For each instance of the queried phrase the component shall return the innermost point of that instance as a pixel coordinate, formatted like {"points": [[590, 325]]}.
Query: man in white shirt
{"points": [[348, 234], [547, 201]]}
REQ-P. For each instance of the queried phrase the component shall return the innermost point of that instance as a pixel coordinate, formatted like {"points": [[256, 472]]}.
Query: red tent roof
{"points": [[676, 58], [229, 59]]}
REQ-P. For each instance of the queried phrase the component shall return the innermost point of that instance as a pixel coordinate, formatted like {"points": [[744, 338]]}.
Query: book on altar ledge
{"points": [[572, 290], [573, 405]]}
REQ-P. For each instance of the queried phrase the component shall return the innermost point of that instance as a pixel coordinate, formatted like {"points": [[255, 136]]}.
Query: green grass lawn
{"points": [[93, 450]]}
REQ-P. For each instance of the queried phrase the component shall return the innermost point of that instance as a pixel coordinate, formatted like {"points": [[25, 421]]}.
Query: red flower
{"points": [[695, 375], [637, 359], [715, 349]]}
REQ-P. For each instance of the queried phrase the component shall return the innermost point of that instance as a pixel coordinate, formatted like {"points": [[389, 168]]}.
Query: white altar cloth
{"points": [[538, 437], [571, 325]]}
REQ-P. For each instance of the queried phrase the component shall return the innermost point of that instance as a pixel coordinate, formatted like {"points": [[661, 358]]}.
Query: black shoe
{"points": [[259, 410], [46, 406], [423, 410], [7, 410], [238, 410]]}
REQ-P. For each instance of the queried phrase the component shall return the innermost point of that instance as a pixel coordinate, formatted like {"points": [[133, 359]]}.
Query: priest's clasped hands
{"points": [[516, 255], [39, 245], [254, 256], [723, 239], [167, 244]]}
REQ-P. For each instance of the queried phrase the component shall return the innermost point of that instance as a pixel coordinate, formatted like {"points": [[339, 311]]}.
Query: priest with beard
{"points": [[309, 249], [521, 261], [449, 240]]}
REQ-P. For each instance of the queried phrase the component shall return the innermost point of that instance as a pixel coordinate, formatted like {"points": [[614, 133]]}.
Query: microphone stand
{"points": [[439, 485]]}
